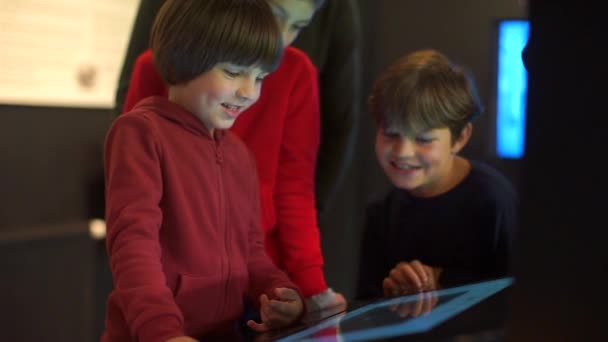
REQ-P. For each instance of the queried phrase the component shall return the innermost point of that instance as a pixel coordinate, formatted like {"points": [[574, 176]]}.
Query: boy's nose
{"points": [[248, 90], [404, 148]]}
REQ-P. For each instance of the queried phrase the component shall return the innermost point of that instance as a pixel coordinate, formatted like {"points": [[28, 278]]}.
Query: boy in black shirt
{"points": [[448, 220]]}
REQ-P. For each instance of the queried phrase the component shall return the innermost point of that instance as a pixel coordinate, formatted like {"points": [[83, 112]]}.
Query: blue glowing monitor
{"points": [[511, 89]]}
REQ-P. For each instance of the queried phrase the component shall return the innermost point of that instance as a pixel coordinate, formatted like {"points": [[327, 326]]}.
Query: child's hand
{"points": [[411, 277], [278, 313]]}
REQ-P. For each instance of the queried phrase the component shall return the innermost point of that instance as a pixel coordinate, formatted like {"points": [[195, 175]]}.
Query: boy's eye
{"points": [[424, 140], [231, 73], [391, 135]]}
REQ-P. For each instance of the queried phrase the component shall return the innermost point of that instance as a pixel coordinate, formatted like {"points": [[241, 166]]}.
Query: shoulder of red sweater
{"points": [[140, 113], [145, 62], [136, 119], [148, 109]]}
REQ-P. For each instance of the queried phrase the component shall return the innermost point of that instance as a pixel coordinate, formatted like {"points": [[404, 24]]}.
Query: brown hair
{"points": [[422, 91], [189, 37]]}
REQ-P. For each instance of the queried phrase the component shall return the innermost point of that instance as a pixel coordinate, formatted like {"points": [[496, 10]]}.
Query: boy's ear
{"points": [[463, 138]]}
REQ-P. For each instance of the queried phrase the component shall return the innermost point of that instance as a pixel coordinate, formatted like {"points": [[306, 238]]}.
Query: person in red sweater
{"points": [[282, 130], [182, 195]]}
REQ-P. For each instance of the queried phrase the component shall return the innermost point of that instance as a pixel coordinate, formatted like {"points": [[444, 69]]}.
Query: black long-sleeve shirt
{"points": [[465, 231]]}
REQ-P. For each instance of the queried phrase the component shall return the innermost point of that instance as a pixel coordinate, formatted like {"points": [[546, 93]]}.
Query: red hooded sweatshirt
{"points": [[184, 239], [282, 130]]}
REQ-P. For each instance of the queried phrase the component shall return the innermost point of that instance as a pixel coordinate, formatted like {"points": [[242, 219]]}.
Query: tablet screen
{"points": [[402, 315]]}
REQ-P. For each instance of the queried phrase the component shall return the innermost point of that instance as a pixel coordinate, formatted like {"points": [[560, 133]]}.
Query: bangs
{"points": [[413, 111], [433, 99], [424, 91], [190, 37], [248, 40]]}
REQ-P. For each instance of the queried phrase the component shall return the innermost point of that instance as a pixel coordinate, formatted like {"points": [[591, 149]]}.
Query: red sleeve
{"points": [[264, 276], [145, 81], [133, 194], [298, 231]]}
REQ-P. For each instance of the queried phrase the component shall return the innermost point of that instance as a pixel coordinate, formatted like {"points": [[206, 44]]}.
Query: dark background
{"points": [[55, 277]]}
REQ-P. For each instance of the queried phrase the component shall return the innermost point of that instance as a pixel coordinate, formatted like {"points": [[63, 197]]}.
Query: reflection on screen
{"points": [[387, 318], [512, 86], [394, 314]]}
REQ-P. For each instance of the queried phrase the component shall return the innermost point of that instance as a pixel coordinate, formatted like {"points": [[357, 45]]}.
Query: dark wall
{"points": [[54, 275], [51, 158]]}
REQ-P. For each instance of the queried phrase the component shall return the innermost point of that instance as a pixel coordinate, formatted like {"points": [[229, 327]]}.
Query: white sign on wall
{"points": [[63, 52]]}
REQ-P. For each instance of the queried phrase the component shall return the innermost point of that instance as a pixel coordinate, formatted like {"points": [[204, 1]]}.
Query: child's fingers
{"points": [[398, 275], [406, 277], [287, 307], [265, 310], [277, 312], [279, 315], [264, 299], [257, 327], [281, 308], [421, 271], [434, 272], [286, 294], [390, 288], [274, 313]]}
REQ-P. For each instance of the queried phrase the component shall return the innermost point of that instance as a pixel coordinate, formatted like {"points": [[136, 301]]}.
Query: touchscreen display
{"points": [[402, 315]]}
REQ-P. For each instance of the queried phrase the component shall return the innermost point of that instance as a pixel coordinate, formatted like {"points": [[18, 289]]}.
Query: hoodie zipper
{"points": [[223, 223]]}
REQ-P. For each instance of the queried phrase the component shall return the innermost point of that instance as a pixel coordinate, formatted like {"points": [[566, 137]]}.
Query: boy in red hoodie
{"points": [[182, 195], [282, 130]]}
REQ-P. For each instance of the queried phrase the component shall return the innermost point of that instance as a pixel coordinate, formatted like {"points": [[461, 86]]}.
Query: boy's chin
{"points": [[225, 124], [404, 186], [398, 182]]}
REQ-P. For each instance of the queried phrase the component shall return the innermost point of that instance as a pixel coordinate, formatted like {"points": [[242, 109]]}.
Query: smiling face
{"points": [[218, 96], [422, 164], [292, 16]]}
